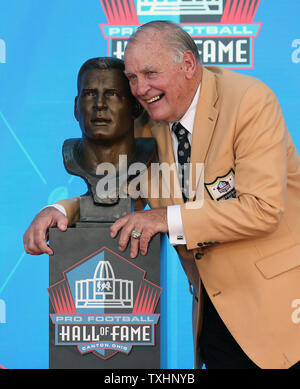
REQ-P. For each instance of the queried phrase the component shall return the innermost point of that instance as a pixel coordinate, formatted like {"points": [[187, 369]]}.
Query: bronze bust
{"points": [[105, 110]]}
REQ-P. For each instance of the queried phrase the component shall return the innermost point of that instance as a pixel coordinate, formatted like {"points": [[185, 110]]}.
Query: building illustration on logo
{"points": [[180, 7], [104, 290], [223, 30], [104, 305], [223, 186]]}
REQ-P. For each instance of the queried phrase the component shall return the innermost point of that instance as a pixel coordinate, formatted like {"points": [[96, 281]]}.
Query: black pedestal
{"points": [[104, 306]]}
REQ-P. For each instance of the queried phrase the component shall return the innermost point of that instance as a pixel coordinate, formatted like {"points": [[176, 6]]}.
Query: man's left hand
{"points": [[148, 223]]}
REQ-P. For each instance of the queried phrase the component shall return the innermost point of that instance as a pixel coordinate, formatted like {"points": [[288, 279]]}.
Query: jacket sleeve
{"points": [[72, 209], [260, 154]]}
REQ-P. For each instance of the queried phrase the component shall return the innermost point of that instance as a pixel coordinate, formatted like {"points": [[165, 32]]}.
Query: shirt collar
{"points": [[188, 118]]}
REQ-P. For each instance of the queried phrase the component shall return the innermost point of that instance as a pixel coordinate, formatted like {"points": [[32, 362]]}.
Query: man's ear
{"points": [[189, 64], [75, 109], [137, 109]]}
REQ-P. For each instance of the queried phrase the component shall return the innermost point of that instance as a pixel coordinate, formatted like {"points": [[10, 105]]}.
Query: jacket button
{"points": [[198, 255], [200, 244]]}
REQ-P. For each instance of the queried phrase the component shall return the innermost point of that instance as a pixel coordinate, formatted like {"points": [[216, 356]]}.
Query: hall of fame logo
{"points": [[223, 30], [104, 305]]}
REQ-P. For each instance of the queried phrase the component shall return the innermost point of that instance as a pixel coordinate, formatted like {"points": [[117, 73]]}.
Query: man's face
{"points": [[104, 106], [159, 84]]}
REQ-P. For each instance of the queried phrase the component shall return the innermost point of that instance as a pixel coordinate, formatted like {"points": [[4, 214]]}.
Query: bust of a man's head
{"points": [[105, 110], [104, 105]]}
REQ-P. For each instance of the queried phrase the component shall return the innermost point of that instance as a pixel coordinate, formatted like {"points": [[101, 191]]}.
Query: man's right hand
{"points": [[36, 235]]}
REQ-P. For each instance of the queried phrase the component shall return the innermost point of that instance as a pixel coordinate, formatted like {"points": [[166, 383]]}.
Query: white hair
{"points": [[174, 36]]}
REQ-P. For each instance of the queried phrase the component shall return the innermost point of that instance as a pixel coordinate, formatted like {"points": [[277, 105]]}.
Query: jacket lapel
{"points": [[170, 183], [204, 125]]}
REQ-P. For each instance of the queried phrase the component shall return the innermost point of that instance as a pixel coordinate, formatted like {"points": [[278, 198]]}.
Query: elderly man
{"points": [[240, 244]]}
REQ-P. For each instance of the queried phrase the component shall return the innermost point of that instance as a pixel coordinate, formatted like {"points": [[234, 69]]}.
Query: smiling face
{"points": [[104, 105], [160, 85]]}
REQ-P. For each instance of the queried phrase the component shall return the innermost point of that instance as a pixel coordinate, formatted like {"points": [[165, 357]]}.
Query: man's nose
{"points": [[100, 101], [142, 86]]}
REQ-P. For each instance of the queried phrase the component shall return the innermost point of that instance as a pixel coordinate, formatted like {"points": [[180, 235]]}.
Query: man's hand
{"points": [[148, 223], [35, 237]]}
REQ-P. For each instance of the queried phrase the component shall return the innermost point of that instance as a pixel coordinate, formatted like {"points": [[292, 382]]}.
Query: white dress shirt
{"points": [[176, 232]]}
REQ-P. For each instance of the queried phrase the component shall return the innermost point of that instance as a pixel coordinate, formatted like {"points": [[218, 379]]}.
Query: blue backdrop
{"points": [[42, 45]]}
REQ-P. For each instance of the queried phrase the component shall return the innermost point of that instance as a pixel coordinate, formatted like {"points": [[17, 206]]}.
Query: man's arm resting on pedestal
{"points": [[35, 237], [71, 208]]}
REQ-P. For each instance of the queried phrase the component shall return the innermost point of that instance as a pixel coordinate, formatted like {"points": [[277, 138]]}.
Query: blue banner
{"points": [[42, 46]]}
